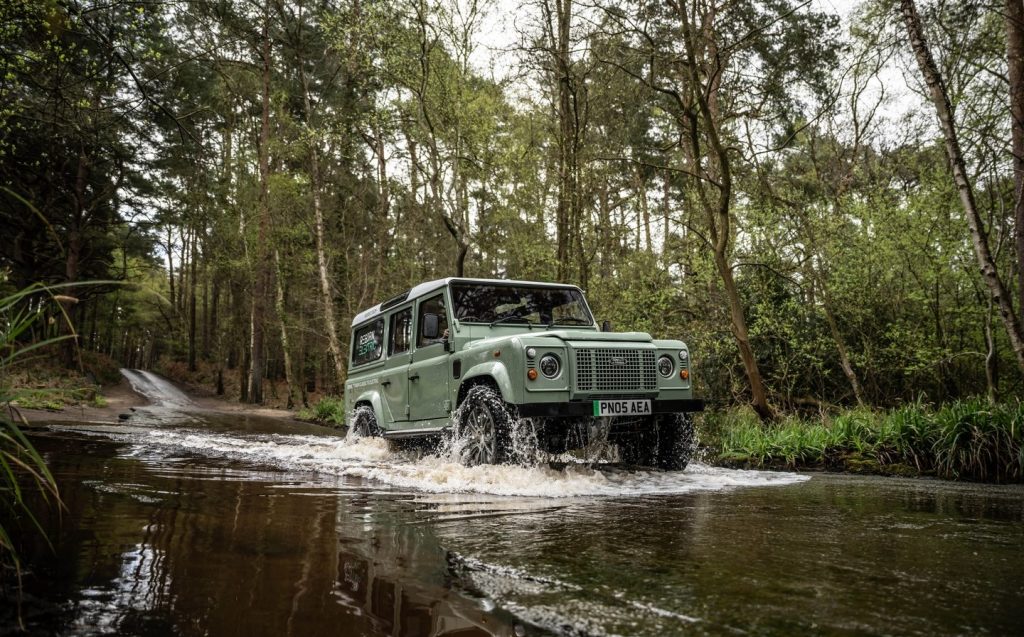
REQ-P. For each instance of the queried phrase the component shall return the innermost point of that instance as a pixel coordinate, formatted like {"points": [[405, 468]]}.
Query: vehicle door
{"points": [[394, 378], [428, 372]]}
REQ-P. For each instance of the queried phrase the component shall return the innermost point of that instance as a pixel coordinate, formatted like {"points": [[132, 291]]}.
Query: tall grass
{"points": [[967, 439], [328, 411], [21, 467]]}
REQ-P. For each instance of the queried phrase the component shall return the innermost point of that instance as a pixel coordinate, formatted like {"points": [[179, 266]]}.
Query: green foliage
{"points": [[969, 439], [844, 236], [328, 411], [21, 466]]}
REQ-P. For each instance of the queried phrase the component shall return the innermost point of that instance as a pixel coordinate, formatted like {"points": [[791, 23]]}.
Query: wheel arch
{"points": [[492, 374], [373, 401]]}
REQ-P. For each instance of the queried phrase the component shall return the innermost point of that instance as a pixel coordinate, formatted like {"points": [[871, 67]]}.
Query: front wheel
{"points": [[364, 423], [676, 441], [666, 443], [482, 428]]}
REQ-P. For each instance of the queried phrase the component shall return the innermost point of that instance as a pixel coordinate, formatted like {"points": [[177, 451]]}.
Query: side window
{"points": [[368, 343], [434, 305], [401, 332]]}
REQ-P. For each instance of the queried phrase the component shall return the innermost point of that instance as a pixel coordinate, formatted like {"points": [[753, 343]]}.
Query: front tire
{"points": [[667, 443], [482, 429], [364, 423], [677, 441]]}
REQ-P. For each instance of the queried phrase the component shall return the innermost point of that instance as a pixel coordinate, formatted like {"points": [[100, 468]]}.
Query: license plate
{"points": [[622, 407]]}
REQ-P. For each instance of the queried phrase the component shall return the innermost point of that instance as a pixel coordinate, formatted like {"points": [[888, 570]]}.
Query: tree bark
{"points": [[566, 172], [279, 307], [705, 117], [1015, 68], [170, 265], [326, 297], [979, 238], [262, 274], [192, 305]]}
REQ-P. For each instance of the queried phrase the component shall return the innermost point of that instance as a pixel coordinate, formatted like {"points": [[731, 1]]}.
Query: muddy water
{"points": [[187, 522]]}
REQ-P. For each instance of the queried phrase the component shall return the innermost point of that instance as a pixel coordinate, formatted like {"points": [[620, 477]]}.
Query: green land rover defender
{"points": [[485, 359]]}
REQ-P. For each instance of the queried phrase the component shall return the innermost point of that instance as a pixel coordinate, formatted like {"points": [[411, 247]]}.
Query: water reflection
{"points": [[188, 539], [161, 546]]}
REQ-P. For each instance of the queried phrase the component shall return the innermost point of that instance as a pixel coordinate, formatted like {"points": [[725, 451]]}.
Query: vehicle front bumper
{"points": [[585, 408]]}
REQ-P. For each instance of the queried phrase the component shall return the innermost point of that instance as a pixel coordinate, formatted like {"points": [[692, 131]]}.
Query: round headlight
{"points": [[550, 365], [665, 366], [683, 355], [531, 352]]}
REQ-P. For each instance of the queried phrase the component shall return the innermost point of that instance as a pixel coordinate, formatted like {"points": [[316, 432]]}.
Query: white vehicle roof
{"points": [[429, 286]]}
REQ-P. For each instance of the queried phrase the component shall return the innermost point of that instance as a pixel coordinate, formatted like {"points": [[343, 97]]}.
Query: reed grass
{"points": [[22, 468], [967, 439]]}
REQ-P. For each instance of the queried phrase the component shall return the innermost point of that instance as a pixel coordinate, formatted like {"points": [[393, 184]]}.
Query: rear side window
{"points": [[368, 343], [401, 332]]}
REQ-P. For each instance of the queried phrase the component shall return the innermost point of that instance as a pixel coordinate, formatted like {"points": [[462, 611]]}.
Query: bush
{"points": [[329, 411]]}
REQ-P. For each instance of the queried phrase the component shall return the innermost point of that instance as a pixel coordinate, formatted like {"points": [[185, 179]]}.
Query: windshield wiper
{"points": [[571, 320], [509, 319]]}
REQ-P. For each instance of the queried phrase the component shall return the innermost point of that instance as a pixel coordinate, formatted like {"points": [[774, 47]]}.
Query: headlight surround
{"points": [[550, 366], [666, 367]]}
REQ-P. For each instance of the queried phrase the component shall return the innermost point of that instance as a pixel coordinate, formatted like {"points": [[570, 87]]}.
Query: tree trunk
{"points": [[170, 265], [563, 221], [717, 205], [262, 274], [758, 396], [944, 110], [1015, 68], [206, 309], [844, 357], [279, 307], [991, 358], [326, 298], [192, 305]]}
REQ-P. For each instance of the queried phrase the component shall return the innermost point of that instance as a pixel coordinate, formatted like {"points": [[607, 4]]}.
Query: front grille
{"points": [[615, 370]]}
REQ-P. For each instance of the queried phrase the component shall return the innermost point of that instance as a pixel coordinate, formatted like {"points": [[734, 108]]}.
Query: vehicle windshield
{"points": [[519, 304]]}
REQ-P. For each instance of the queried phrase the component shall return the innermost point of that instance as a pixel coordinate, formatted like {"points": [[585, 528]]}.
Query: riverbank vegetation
{"points": [[827, 208], [965, 439], [22, 468]]}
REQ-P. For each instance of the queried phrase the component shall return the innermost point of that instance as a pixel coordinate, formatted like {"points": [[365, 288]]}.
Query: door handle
{"points": [[385, 383], [414, 377]]}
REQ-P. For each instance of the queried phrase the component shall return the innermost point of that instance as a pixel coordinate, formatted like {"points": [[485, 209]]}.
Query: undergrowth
{"points": [[969, 439], [328, 410]]}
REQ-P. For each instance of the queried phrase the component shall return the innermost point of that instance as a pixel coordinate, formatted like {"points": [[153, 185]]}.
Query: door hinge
{"points": [[448, 406], [406, 409]]}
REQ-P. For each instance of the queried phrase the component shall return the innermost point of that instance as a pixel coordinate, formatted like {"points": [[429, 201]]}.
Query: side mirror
{"points": [[430, 325], [606, 326]]}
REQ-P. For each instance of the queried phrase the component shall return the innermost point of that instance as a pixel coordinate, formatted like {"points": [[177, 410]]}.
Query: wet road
{"points": [[193, 523]]}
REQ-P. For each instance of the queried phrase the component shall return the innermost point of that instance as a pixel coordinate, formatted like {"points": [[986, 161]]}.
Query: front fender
{"points": [[497, 371]]}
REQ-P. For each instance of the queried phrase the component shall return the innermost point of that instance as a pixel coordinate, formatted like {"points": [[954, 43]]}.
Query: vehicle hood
{"points": [[569, 336]]}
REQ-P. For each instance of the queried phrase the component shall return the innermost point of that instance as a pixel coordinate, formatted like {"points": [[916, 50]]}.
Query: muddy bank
{"points": [[119, 399], [122, 399]]}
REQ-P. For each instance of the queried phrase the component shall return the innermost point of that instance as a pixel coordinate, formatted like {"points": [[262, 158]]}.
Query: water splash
{"points": [[174, 425], [377, 461]]}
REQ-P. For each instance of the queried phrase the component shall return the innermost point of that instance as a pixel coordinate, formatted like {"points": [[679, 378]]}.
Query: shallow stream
{"points": [[182, 521]]}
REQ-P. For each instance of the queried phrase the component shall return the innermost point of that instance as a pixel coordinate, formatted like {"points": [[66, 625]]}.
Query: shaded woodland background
{"points": [[747, 176]]}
